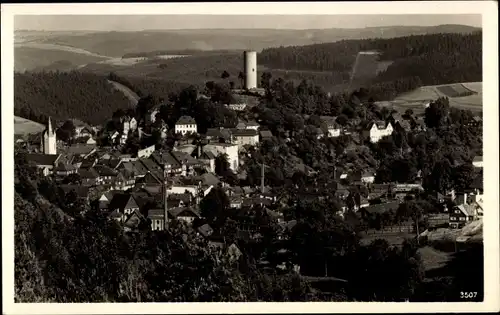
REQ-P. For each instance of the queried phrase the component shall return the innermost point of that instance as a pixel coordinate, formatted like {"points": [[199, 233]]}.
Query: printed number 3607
{"points": [[468, 295]]}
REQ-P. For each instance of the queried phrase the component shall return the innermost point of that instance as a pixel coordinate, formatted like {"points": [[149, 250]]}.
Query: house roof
{"points": [[123, 201], [266, 134], [164, 157], [205, 230], [156, 213], [63, 167], [134, 219], [183, 212], [252, 124], [218, 133], [185, 120], [152, 164], [383, 207], [466, 209], [478, 158], [244, 132], [80, 149], [139, 167], [104, 170], [184, 158], [208, 155], [42, 159]]}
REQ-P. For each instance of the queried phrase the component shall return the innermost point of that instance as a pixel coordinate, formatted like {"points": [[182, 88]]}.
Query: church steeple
{"points": [[49, 141], [49, 127]]}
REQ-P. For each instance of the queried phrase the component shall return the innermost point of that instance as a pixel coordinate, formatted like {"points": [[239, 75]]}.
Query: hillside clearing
{"points": [[23, 126]]}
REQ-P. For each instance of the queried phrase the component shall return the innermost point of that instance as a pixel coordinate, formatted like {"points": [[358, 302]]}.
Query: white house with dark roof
{"points": [[376, 130], [185, 125]]}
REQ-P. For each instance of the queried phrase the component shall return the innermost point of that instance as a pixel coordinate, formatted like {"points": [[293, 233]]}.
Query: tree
{"points": [[463, 176], [214, 205], [225, 75], [67, 131]]}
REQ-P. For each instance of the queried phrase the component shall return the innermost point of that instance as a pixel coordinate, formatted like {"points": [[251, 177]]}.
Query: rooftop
{"points": [[186, 120]]}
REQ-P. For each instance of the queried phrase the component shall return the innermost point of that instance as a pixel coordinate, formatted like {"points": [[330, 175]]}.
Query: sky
{"points": [[165, 22]]}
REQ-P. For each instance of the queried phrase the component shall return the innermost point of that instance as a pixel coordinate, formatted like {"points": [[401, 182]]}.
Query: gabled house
{"points": [[219, 135], [106, 174], [44, 162], [133, 221], [83, 150], [184, 214], [243, 137], [64, 169], [185, 125], [124, 203], [462, 214], [376, 130], [89, 177], [124, 180]]}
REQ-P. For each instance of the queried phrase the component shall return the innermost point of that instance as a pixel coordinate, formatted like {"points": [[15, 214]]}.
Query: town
{"points": [[252, 187]]}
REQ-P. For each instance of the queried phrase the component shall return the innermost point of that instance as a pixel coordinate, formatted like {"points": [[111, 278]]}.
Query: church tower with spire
{"points": [[49, 140]]}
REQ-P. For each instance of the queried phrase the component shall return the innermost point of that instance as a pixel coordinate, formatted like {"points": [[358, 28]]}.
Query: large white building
{"points": [[49, 140], [185, 125], [377, 130], [231, 150]]}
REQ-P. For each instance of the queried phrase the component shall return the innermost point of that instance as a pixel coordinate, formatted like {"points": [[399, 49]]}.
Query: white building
{"points": [[377, 130], [146, 152], [252, 125], [231, 150], [185, 125], [243, 137], [49, 140], [478, 161], [237, 107]]}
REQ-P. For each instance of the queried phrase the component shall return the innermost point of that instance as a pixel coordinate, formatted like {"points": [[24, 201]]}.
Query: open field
{"points": [[131, 95], [24, 126], [417, 98], [30, 58]]}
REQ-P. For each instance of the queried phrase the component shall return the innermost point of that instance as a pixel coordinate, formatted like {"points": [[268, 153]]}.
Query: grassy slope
{"points": [[472, 102], [28, 58], [24, 126]]}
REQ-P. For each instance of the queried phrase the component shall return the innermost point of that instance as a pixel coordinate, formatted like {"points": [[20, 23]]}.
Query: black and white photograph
{"points": [[334, 156]]}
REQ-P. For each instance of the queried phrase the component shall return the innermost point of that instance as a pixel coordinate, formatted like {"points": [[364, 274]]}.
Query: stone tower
{"points": [[250, 69], [49, 140]]}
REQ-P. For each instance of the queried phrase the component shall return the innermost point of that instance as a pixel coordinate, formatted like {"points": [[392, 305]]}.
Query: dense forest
{"points": [[464, 50], [64, 95], [88, 97]]}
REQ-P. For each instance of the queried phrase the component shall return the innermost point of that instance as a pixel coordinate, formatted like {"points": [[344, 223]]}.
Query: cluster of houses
{"points": [[132, 185]]}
